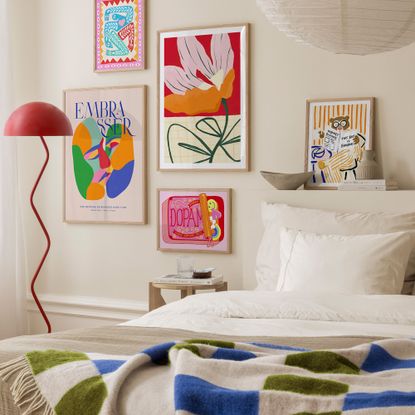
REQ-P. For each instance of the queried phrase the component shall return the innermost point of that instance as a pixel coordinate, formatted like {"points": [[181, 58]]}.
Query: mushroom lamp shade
{"points": [[38, 119], [356, 27]]}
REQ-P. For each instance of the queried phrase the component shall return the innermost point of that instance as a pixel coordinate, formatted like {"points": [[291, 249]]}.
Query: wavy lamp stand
{"points": [[38, 119]]}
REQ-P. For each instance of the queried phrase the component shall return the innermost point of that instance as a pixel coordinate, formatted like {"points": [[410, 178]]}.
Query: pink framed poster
{"points": [[194, 220], [203, 99], [119, 35]]}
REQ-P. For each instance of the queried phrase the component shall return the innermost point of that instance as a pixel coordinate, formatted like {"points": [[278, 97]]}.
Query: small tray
{"points": [[203, 273]]}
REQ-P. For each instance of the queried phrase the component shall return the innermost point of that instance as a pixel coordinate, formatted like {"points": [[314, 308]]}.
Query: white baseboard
{"points": [[68, 312]]}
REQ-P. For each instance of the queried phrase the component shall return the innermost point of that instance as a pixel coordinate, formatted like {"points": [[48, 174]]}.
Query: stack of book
{"points": [[375, 184], [177, 279]]}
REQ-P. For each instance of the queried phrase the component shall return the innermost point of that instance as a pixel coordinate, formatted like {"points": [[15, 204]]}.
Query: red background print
{"points": [[171, 58]]}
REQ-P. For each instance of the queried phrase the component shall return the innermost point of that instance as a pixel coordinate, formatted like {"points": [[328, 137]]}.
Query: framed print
{"points": [[194, 220], [203, 94], [119, 35], [337, 132], [105, 160]]}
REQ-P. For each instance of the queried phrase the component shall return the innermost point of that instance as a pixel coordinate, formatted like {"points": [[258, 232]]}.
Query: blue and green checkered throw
{"points": [[223, 378]]}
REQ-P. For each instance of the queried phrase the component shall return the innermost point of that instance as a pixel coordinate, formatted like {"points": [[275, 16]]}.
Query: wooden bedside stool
{"points": [[156, 300]]}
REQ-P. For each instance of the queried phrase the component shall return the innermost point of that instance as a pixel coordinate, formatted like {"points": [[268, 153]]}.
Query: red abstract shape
{"points": [[104, 161], [128, 31]]}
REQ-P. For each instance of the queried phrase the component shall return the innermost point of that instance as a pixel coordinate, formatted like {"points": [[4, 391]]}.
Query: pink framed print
{"points": [[119, 35], [194, 220]]}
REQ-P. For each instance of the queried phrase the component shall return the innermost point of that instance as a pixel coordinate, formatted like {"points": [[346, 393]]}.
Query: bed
{"points": [[207, 354], [239, 316]]}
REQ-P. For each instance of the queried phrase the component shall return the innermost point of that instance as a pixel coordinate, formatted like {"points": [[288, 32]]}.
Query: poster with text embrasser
{"points": [[105, 160]]}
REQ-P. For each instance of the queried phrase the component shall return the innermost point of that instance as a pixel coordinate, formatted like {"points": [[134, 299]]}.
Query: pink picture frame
{"points": [[197, 220], [119, 35]]}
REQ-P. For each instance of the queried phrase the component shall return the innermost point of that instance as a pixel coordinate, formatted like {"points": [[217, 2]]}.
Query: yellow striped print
{"points": [[358, 114]]}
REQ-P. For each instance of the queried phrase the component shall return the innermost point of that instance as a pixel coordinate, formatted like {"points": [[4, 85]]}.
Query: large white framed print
{"points": [[203, 99], [105, 159]]}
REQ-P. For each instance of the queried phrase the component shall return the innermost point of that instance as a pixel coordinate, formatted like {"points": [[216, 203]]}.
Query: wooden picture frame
{"points": [[337, 132], [119, 35], [194, 220], [106, 158], [203, 123]]}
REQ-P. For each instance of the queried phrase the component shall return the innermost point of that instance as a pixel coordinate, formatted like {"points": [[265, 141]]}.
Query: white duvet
{"points": [[270, 313]]}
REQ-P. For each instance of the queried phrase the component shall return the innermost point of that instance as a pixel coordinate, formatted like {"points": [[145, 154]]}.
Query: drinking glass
{"points": [[185, 266]]}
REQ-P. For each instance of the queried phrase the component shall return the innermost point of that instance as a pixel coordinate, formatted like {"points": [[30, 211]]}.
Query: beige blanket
{"points": [[128, 340]]}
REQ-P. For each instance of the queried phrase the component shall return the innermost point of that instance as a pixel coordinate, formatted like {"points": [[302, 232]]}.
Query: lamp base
{"points": [[42, 225]]}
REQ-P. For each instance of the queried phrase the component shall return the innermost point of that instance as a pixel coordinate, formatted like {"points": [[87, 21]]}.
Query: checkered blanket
{"points": [[218, 377]]}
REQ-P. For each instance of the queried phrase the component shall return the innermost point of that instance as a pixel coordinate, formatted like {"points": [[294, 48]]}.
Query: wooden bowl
{"points": [[286, 181]]}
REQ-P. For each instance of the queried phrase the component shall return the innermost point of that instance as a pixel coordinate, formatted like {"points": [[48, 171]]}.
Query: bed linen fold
{"points": [[255, 313]]}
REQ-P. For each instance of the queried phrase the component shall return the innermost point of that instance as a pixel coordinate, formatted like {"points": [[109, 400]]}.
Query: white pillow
{"points": [[276, 216], [359, 264]]}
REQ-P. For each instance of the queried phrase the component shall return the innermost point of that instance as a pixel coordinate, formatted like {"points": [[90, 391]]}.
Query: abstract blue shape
{"points": [[107, 366], [120, 180], [379, 360], [199, 397], [232, 354], [159, 354], [378, 400], [278, 347]]}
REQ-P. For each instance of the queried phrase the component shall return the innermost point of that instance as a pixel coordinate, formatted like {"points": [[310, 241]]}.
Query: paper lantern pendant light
{"points": [[356, 27]]}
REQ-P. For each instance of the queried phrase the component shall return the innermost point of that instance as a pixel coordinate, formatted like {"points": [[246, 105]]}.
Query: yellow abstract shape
{"points": [[197, 101], [205, 215], [82, 138], [95, 191], [124, 153], [92, 155]]}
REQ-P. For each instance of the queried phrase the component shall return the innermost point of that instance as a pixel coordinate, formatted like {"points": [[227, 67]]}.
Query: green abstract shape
{"points": [[114, 132], [44, 360], [190, 347], [322, 362], [305, 385], [87, 397], [215, 343], [83, 171], [320, 413]]}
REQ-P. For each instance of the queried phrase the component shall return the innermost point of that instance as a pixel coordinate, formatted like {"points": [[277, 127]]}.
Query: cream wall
{"points": [[118, 261]]}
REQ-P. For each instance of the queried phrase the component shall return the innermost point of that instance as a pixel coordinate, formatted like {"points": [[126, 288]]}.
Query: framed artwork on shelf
{"points": [[337, 133], [203, 99], [119, 35], [194, 220], [105, 159]]}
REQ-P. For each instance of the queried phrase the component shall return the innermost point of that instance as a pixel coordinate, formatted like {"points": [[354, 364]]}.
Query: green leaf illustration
{"points": [[209, 126], [233, 140], [193, 148], [227, 153], [202, 161], [230, 131]]}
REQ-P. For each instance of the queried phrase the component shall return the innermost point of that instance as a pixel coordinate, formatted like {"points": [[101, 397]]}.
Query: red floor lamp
{"points": [[38, 119]]}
